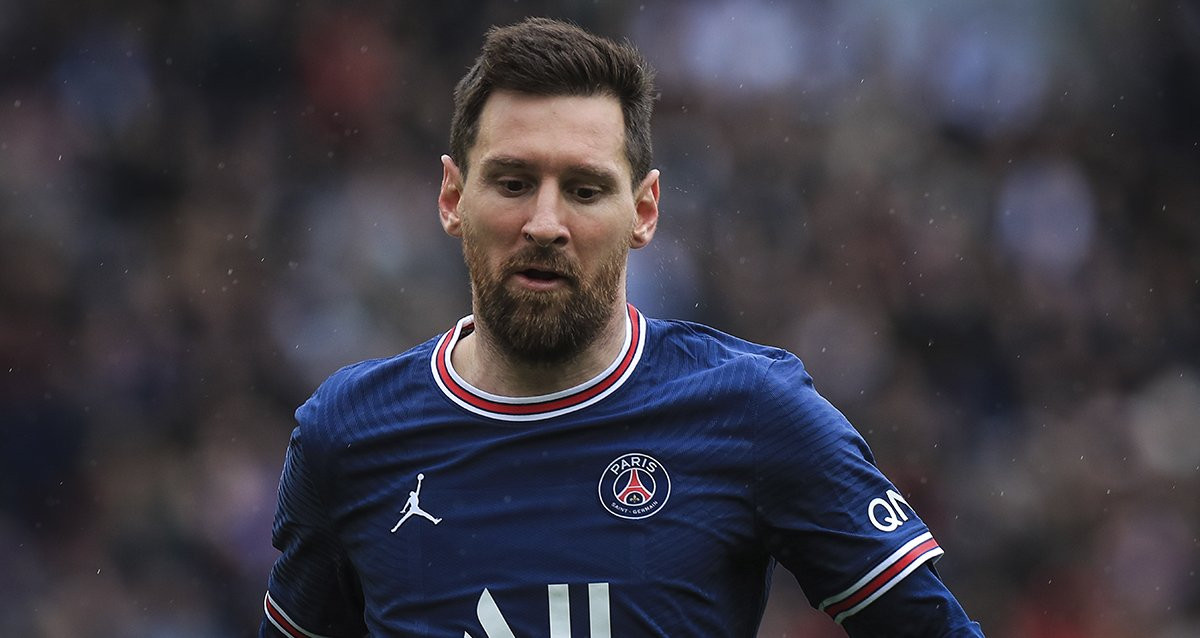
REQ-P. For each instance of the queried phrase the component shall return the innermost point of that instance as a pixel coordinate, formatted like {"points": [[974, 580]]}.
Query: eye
{"points": [[587, 193], [512, 187]]}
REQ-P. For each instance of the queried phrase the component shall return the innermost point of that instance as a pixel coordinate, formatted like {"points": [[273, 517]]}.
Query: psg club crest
{"points": [[634, 486]]}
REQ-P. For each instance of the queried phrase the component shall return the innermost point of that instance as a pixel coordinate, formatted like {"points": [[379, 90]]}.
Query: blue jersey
{"points": [[653, 500]]}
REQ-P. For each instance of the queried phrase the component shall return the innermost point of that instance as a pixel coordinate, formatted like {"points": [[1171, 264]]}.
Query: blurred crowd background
{"points": [[978, 223]]}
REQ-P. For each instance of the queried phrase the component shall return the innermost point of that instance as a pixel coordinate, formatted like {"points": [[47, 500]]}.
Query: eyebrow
{"points": [[600, 174]]}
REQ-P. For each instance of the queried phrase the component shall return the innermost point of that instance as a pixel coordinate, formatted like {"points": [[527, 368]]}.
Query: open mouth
{"points": [[540, 275], [536, 278]]}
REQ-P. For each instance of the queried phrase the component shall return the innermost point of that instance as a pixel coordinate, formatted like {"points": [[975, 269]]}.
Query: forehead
{"points": [[552, 131]]}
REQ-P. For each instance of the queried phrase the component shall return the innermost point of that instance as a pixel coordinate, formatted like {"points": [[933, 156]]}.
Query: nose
{"points": [[545, 225]]}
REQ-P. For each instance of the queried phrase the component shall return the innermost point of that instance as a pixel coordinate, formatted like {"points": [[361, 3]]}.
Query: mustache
{"points": [[546, 258]]}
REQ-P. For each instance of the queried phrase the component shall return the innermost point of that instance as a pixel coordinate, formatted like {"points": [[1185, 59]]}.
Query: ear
{"points": [[646, 209], [449, 197]]}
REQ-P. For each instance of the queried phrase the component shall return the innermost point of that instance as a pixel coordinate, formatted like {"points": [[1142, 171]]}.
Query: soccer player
{"points": [[594, 472]]}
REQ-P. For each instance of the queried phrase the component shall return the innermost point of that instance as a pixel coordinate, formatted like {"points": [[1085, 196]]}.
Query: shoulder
{"points": [[357, 390], [706, 344], [767, 387], [784, 406], [684, 344]]}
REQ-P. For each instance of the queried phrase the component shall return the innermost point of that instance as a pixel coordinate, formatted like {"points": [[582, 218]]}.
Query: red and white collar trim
{"points": [[544, 406]]}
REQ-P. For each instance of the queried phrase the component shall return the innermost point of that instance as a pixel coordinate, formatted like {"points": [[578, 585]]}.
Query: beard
{"points": [[543, 327]]}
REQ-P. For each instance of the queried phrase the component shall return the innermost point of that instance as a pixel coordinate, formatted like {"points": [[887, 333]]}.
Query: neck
{"points": [[484, 364]]}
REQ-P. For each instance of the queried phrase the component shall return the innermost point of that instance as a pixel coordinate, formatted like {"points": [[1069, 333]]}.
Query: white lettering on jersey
{"points": [[559, 600], [893, 515], [599, 618], [490, 617], [560, 611]]}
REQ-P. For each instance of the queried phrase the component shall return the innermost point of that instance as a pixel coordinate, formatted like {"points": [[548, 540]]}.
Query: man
{"points": [[595, 472]]}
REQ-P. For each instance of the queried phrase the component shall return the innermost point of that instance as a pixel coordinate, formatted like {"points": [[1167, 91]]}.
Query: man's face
{"points": [[547, 215]]}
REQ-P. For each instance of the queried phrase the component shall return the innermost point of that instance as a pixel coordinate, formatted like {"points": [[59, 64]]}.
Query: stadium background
{"points": [[978, 222]]}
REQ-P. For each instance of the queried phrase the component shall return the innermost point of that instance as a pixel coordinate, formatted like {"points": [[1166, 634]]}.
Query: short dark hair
{"points": [[541, 56]]}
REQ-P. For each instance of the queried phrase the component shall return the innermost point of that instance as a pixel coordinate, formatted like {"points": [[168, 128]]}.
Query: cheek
{"points": [[496, 218], [605, 253], [603, 238]]}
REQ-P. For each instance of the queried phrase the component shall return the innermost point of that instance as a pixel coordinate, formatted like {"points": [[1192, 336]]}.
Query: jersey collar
{"points": [[544, 406]]}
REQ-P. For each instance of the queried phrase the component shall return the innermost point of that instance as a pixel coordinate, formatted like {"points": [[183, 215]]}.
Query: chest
{"points": [[651, 510]]}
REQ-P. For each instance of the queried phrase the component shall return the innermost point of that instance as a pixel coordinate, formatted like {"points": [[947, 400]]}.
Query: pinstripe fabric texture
{"points": [[653, 500]]}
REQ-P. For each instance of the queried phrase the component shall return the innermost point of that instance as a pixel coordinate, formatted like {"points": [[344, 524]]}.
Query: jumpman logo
{"points": [[413, 506]]}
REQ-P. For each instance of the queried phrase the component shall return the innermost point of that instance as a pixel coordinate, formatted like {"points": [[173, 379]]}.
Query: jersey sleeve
{"points": [[826, 513], [313, 590]]}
